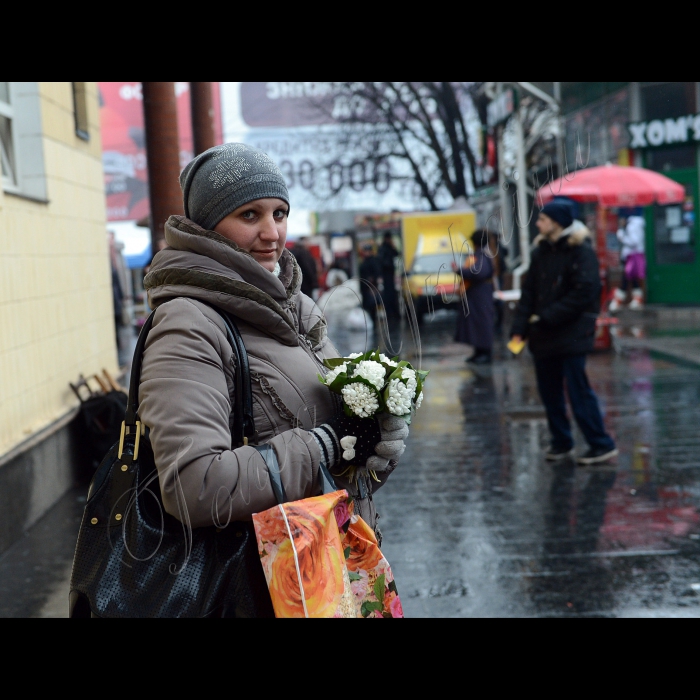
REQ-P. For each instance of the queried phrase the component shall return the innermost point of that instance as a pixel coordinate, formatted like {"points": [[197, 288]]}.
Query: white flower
{"points": [[419, 400], [354, 355], [399, 399], [411, 384], [360, 399], [371, 371], [387, 361], [333, 374]]}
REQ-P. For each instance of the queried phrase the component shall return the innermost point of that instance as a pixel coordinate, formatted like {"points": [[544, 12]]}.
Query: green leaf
{"points": [[334, 362], [354, 576], [370, 607], [379, 589], [396, 374], [346, 552]]}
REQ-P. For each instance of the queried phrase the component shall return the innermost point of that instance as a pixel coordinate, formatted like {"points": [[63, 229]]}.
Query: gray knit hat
{"points": [[226, 177]]}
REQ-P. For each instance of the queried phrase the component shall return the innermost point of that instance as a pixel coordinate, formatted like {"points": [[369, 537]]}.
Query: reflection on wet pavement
{"points": [[477, 523]]}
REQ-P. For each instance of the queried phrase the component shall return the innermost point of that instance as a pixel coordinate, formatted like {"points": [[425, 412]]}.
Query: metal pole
{"points": [[506, 210], [560, 129], [163, 156], [203, 131], [522, 210]]}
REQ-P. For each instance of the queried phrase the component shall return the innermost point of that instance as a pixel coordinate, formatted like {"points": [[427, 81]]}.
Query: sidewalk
{"points": [[669, 332]]}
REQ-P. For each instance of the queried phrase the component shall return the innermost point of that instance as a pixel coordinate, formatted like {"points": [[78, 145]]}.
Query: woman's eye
{"points": [[280, 213], [248, 214]]}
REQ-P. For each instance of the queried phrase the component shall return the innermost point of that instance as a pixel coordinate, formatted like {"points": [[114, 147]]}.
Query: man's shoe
{"points": [[557, 454], [596, 455]]}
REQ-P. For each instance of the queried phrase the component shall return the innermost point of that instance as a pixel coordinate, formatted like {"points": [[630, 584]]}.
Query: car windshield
{"points": [[432, 264]]}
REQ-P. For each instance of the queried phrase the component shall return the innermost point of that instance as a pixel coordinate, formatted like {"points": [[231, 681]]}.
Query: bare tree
{"points": [[424, 132]]}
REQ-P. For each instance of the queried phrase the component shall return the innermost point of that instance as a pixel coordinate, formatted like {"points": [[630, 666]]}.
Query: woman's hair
{"points": [[480, 238]]}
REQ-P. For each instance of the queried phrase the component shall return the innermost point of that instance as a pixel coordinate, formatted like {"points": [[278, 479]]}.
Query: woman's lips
{"points": [[265, 253]]}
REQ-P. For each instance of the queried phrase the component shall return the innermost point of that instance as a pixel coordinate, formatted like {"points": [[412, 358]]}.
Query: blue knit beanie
{"points": [[559, 212]]}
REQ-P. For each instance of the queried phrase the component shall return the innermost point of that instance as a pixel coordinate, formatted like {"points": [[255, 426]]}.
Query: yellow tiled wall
{"points": [[56, 314]]}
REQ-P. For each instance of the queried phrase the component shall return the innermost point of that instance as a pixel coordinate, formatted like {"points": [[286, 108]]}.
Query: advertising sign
{"points": [[666, 132], [124, 146], [324, 161]]}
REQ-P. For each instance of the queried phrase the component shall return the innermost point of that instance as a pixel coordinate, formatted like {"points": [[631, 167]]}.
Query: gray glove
{"points": [[393, 431]]}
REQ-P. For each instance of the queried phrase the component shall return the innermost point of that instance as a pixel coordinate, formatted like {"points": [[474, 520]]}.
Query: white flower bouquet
{"points": [[370, 383]]}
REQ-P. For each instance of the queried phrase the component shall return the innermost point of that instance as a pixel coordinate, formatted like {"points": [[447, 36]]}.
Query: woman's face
{"points": [[260, 228]]}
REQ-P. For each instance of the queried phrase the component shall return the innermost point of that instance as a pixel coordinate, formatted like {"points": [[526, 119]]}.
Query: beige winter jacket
{"points": [[187, 379]]}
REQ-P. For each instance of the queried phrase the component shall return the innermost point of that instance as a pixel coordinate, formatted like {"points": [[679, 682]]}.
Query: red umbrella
{"points": [[615, 186]]}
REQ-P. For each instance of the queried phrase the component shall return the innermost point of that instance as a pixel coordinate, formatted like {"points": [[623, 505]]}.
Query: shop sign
{"points": [[665, 132]]}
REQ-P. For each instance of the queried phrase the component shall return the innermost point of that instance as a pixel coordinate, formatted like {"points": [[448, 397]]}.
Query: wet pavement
{"points": [[476, 523]]}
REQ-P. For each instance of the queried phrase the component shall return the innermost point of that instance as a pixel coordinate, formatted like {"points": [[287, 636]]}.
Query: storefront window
{"points": [[662, 100], [596, 134], [669, 100], [674, 229], [664, 159]]}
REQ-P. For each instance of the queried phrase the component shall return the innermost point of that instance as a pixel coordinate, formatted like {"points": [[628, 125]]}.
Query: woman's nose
{"points": [[269, 229]]}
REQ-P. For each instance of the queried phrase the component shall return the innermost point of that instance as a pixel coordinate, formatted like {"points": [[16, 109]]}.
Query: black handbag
{"points": [[133, 559]]}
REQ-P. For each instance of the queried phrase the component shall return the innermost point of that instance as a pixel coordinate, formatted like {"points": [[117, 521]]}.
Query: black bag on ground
{"points": [[101, 416], [133, 559]]}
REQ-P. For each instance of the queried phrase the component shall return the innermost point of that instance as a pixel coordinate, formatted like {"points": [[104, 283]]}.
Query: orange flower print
{"points": [[320, 559], [364, 550]]}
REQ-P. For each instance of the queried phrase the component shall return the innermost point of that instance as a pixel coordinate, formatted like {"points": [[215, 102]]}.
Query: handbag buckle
{"points": [[127, 431]]}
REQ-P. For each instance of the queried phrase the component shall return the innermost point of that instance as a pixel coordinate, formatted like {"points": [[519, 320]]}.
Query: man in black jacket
{"points": [[557, 314]]}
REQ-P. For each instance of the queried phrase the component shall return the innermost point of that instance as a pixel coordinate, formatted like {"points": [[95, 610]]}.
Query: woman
{"points": [[475, 321], [228, 251]]}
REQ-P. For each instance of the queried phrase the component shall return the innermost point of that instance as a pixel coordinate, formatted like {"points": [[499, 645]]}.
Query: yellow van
{"points": [[431, 243]]}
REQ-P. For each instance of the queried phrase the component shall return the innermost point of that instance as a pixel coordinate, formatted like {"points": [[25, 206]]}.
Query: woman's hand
{"points": [[394, 431], [378, 445]]}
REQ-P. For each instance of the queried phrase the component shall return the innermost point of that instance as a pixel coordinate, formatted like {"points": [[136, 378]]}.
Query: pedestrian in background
{"points": [[557, 313], [386, 256], [475, 320], [307, 264], [498, 253], [631, 235], [369, 274]]}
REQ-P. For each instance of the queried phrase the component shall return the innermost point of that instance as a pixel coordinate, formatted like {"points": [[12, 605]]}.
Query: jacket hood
{"points": [[202, 264], [576, 234]]}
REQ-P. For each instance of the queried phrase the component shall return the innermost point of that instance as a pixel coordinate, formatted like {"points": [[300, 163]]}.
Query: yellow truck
{"points": [[431, 242]]}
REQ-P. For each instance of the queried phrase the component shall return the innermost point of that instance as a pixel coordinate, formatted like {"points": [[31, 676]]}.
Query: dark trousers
{"points": [[552, 372]]}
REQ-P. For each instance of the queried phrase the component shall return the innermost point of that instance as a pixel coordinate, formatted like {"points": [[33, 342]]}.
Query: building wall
{"points": [[56, 312]]}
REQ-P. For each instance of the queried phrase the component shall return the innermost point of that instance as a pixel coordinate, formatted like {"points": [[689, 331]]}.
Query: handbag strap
{"points": [[243, 420]]}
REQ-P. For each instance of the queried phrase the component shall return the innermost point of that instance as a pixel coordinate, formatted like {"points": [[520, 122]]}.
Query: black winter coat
{"points": [[475, 319], [563, 288]]}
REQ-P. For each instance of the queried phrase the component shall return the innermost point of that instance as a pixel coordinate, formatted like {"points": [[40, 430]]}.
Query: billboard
{"points": [[299, 125], [124, 147]]}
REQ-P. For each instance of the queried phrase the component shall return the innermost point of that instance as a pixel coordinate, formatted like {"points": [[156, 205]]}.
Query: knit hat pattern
{"points": [[226, 177], [559, 212]]}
